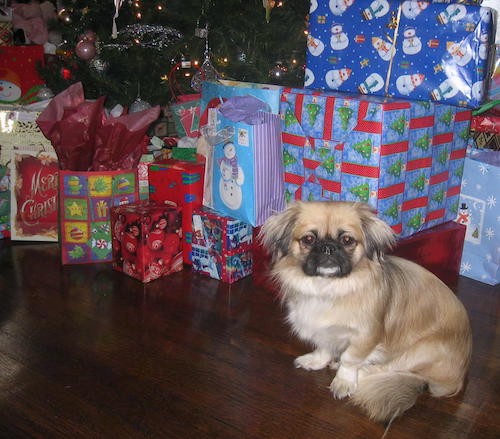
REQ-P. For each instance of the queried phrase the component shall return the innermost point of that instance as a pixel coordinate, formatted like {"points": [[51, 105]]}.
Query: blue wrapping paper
{"points": [[414, 50]]}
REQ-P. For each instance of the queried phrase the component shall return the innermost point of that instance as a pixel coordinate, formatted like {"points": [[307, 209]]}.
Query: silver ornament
{"points": [[45, 93], [99, 65], [139, 105]]}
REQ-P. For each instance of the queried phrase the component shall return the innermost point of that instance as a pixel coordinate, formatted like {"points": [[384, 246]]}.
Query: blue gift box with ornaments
{"points": [[410, 49]]}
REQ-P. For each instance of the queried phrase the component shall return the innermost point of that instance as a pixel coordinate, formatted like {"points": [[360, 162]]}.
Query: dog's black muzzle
{"points": [[327, 258]]}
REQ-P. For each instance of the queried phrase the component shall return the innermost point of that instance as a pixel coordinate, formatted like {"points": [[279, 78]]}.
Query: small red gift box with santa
{"points": [[147, 239]]}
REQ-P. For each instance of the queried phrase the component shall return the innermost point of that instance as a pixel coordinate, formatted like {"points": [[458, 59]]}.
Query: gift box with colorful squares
{"points": [[411, 49], [341, 146], [179, 183], [85, 200], [222, 246], [147, 239]]}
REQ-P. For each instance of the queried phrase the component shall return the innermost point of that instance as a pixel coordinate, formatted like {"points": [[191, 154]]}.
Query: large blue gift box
{"points": [[411, 49], [404, 158]]}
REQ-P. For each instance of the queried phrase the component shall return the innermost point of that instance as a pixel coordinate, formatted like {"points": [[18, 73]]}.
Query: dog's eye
{"points": [[347, 240], [308, 240]]}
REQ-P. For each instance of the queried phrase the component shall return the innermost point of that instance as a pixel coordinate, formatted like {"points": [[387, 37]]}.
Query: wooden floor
{"points": [[86, 352]]}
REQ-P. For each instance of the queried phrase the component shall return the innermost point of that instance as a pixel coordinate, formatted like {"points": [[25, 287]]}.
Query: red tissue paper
{"points": [[85, 138]]}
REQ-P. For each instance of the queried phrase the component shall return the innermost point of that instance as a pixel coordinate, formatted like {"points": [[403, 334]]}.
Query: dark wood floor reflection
{"points": [[86, 352]]}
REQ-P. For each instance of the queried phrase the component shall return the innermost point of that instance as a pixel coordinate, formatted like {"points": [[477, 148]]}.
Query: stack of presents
{"points": [[384, 117]]}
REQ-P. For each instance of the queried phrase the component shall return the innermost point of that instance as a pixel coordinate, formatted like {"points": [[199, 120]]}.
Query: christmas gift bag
{"points": [[34, 196], [416, 50], [186, 115], [85, 200], [247, 168], [179, 183], [19, 75], [339, 146], [147, 239], [479, 211], [215, 93], [222, 246]]}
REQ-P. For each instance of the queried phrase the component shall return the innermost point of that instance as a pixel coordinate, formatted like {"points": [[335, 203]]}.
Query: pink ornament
{"points": [[85, 50]]}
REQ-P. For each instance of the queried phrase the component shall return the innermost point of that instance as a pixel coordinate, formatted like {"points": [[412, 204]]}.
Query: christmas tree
{"points": [[154, 48]]}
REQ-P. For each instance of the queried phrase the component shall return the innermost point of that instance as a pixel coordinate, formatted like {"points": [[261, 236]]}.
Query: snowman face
{"points": [[9, 92], [229, 150], [409, 33], [336, 29]]}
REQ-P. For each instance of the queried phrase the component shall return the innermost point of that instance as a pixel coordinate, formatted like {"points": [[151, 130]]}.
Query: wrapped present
{"points": [[222, 246], [85, 201], [6, 35], [143, 175], [19, 75], [411, 49], [147, 239], [479, 212], [34, 196], [179, 183], [19, 131], [215, 93], [246, 180], [402, 157], [485, 129]]}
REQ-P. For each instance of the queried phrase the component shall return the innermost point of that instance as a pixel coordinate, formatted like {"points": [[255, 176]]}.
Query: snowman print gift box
{"points": [[410, 49]]}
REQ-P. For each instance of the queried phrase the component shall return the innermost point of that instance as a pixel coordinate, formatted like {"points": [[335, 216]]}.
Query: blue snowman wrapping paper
{"points": [[409, 49], [480, 212]]}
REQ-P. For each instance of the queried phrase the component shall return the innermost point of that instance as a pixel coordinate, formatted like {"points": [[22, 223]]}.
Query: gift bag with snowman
{"points": [[480, 212], [247, 166]]}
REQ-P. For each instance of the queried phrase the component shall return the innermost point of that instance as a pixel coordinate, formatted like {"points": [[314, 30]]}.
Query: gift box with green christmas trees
{"points": [[402, 157]]}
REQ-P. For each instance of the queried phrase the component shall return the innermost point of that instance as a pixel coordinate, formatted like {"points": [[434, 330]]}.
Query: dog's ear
{"points": [[379, 237], [276, 233]]}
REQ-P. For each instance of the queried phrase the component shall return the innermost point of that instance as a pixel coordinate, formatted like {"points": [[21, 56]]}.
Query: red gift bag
{"points": [[19, 75]]}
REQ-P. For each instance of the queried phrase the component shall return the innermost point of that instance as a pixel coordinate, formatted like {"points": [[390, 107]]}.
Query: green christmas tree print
{"points": [[446, 118], [310, 197], [288, 196], [419, 183], [290, 118], [288, 159], [423, 142], [313, 110], [323, 153], [393, 210], [415, 221], [475, 233], [396, 168], [399, 125], [438, 197], [424, 104], [464, 134], [443, 157], [454, 207], [329, 165], [364, 148], [362, 191], [345, 114], [459, 172]]}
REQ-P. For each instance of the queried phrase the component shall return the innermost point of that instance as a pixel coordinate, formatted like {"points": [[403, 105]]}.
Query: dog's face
{"points": [[326, 239]]}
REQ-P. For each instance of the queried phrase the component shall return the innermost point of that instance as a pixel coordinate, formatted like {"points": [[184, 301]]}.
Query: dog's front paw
{"points": [[313, 361], [345, 382]]}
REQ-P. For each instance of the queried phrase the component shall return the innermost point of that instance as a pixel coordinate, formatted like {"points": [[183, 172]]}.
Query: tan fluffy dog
{"points": [[388, 326]]}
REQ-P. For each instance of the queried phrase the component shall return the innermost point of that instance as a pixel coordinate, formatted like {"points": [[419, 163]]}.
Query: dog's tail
{"points": [[387, 395]]}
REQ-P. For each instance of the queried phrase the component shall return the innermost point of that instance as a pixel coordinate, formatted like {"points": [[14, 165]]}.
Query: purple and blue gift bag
{"points": [[410, 49], [246, 166]]}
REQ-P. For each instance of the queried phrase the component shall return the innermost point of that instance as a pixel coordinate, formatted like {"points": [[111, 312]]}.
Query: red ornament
{"points": [[359, 38], [85, 50]]}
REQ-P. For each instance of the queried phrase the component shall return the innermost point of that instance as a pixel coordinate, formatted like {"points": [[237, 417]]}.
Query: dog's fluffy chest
{"points": [[313, 318]]}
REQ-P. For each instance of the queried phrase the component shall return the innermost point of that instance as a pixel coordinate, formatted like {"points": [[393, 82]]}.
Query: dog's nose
{"points": [[328, 248]]}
